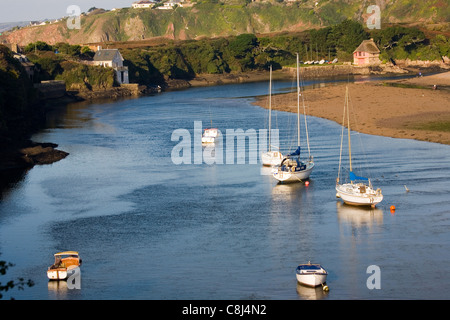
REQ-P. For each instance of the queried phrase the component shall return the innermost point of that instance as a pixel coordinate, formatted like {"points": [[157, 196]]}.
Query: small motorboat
{"points": [[311, 275], [64, 261], [210, 135]]}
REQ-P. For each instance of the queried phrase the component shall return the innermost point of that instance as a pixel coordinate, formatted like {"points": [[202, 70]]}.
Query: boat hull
{"points": [[350, 195], [208, 140], [296, 176], [312, 280], [57, 274]]}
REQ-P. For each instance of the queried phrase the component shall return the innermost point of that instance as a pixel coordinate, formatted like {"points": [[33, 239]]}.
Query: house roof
{"points": [[105, 54], [367, 46]]}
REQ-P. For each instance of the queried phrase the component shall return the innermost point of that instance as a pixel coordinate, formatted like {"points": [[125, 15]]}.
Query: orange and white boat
{"points": [[64, 261]]}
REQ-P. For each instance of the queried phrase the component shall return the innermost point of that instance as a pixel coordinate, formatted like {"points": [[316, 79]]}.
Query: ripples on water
{"points": [[147, 229]]}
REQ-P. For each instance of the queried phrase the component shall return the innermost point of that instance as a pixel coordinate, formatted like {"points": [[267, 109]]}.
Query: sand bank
{"points": [[408, 108]]}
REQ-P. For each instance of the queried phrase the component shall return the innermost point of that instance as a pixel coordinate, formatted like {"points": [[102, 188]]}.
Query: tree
{"points": [[38, 45], [243, 44], [347, 35], [20, 283], [392, 37]]}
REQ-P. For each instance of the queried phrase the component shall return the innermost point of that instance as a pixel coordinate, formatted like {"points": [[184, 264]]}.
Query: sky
{"points": [[34, 10]]}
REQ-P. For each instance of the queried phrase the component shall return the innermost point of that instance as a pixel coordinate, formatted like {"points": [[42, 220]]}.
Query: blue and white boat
{"points": [[311, 275], [292, 168], [356, 192]]}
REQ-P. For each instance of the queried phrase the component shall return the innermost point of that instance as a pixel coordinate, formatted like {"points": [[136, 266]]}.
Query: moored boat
{"points": [[271, 158], [311, 275], [210, 135], [357, 192], [64, 261], [292, 168]]}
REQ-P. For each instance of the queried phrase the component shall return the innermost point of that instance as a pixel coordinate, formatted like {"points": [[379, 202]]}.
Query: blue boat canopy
{"points": [[355, 177], [309, 267], [295, 153]]}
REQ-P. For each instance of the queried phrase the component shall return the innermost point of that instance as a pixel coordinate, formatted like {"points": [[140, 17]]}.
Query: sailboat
{"points": [[271, 157], [359, 191], [210, 135], [292, 168]]}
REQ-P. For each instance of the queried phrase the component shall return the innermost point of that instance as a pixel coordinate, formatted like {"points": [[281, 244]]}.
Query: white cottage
{"points": [[143, 4], [113, 59]]}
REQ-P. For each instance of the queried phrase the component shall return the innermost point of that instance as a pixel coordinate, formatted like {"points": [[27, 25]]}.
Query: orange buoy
{"points": [[392, 208], [306, 183]]}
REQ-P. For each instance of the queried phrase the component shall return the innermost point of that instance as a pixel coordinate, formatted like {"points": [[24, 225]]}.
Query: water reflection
{"points": [[289, 191], [59, 290], [358, 217], [308, 293]]}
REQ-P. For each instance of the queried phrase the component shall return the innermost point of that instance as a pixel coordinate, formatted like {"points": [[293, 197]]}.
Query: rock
{"points": [[42, 153]]}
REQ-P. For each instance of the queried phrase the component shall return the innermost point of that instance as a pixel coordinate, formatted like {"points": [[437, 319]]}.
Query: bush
{"points": [[89, 77]]}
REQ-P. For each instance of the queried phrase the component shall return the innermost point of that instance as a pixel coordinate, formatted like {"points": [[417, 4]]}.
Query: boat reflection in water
{"points": [[309, 293], [294, 192], [60, 290], [358, 217]]}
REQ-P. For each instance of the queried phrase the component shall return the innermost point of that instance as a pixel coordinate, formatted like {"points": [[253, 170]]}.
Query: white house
{"points": [[170, 4], [143, 4], [113, 59]]}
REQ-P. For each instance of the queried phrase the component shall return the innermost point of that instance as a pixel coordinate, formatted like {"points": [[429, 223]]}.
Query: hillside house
{"points": [[143, 4], [366, 54], [170, 5], [26, 64], [113, 59]]}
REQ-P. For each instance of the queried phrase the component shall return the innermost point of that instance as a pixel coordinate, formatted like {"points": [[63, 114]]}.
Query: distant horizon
{"points": [[31, 10]]}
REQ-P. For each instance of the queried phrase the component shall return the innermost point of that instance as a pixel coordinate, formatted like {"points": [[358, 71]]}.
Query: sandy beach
{"points": [[408, 108]]}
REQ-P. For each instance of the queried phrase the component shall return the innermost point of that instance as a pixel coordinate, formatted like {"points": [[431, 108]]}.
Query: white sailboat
{"points": [[210, 135], [292, 168], [359, 191], [271, 157]]}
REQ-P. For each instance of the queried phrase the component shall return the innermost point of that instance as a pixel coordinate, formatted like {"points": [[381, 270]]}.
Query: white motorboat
{"points": [[210, 135], [271, 158], [359, 191], [311, 275], [292, 168]]}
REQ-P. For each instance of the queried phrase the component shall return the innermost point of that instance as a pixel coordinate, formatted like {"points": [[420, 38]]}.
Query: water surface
{"points": [[149, 229]]}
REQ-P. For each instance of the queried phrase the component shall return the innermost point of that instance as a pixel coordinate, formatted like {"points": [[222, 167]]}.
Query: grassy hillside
{"points": [[214, 19]]}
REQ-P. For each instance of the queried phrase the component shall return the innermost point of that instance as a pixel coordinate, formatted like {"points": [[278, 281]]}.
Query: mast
{"points": [[298, 106], [348, 129], [270, 106]]}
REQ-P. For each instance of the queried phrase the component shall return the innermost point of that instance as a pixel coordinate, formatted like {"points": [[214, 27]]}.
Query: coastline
{"points": [[406, 108]]}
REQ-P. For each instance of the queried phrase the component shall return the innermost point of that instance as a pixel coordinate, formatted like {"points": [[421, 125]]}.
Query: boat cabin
{"points": [[66, 259]]}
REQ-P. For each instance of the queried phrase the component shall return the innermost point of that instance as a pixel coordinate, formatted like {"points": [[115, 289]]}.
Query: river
{"points": [[148, 228]]}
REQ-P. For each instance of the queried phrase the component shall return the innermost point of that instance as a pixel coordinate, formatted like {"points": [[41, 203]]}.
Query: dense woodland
{"points": [[242, 53]]}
